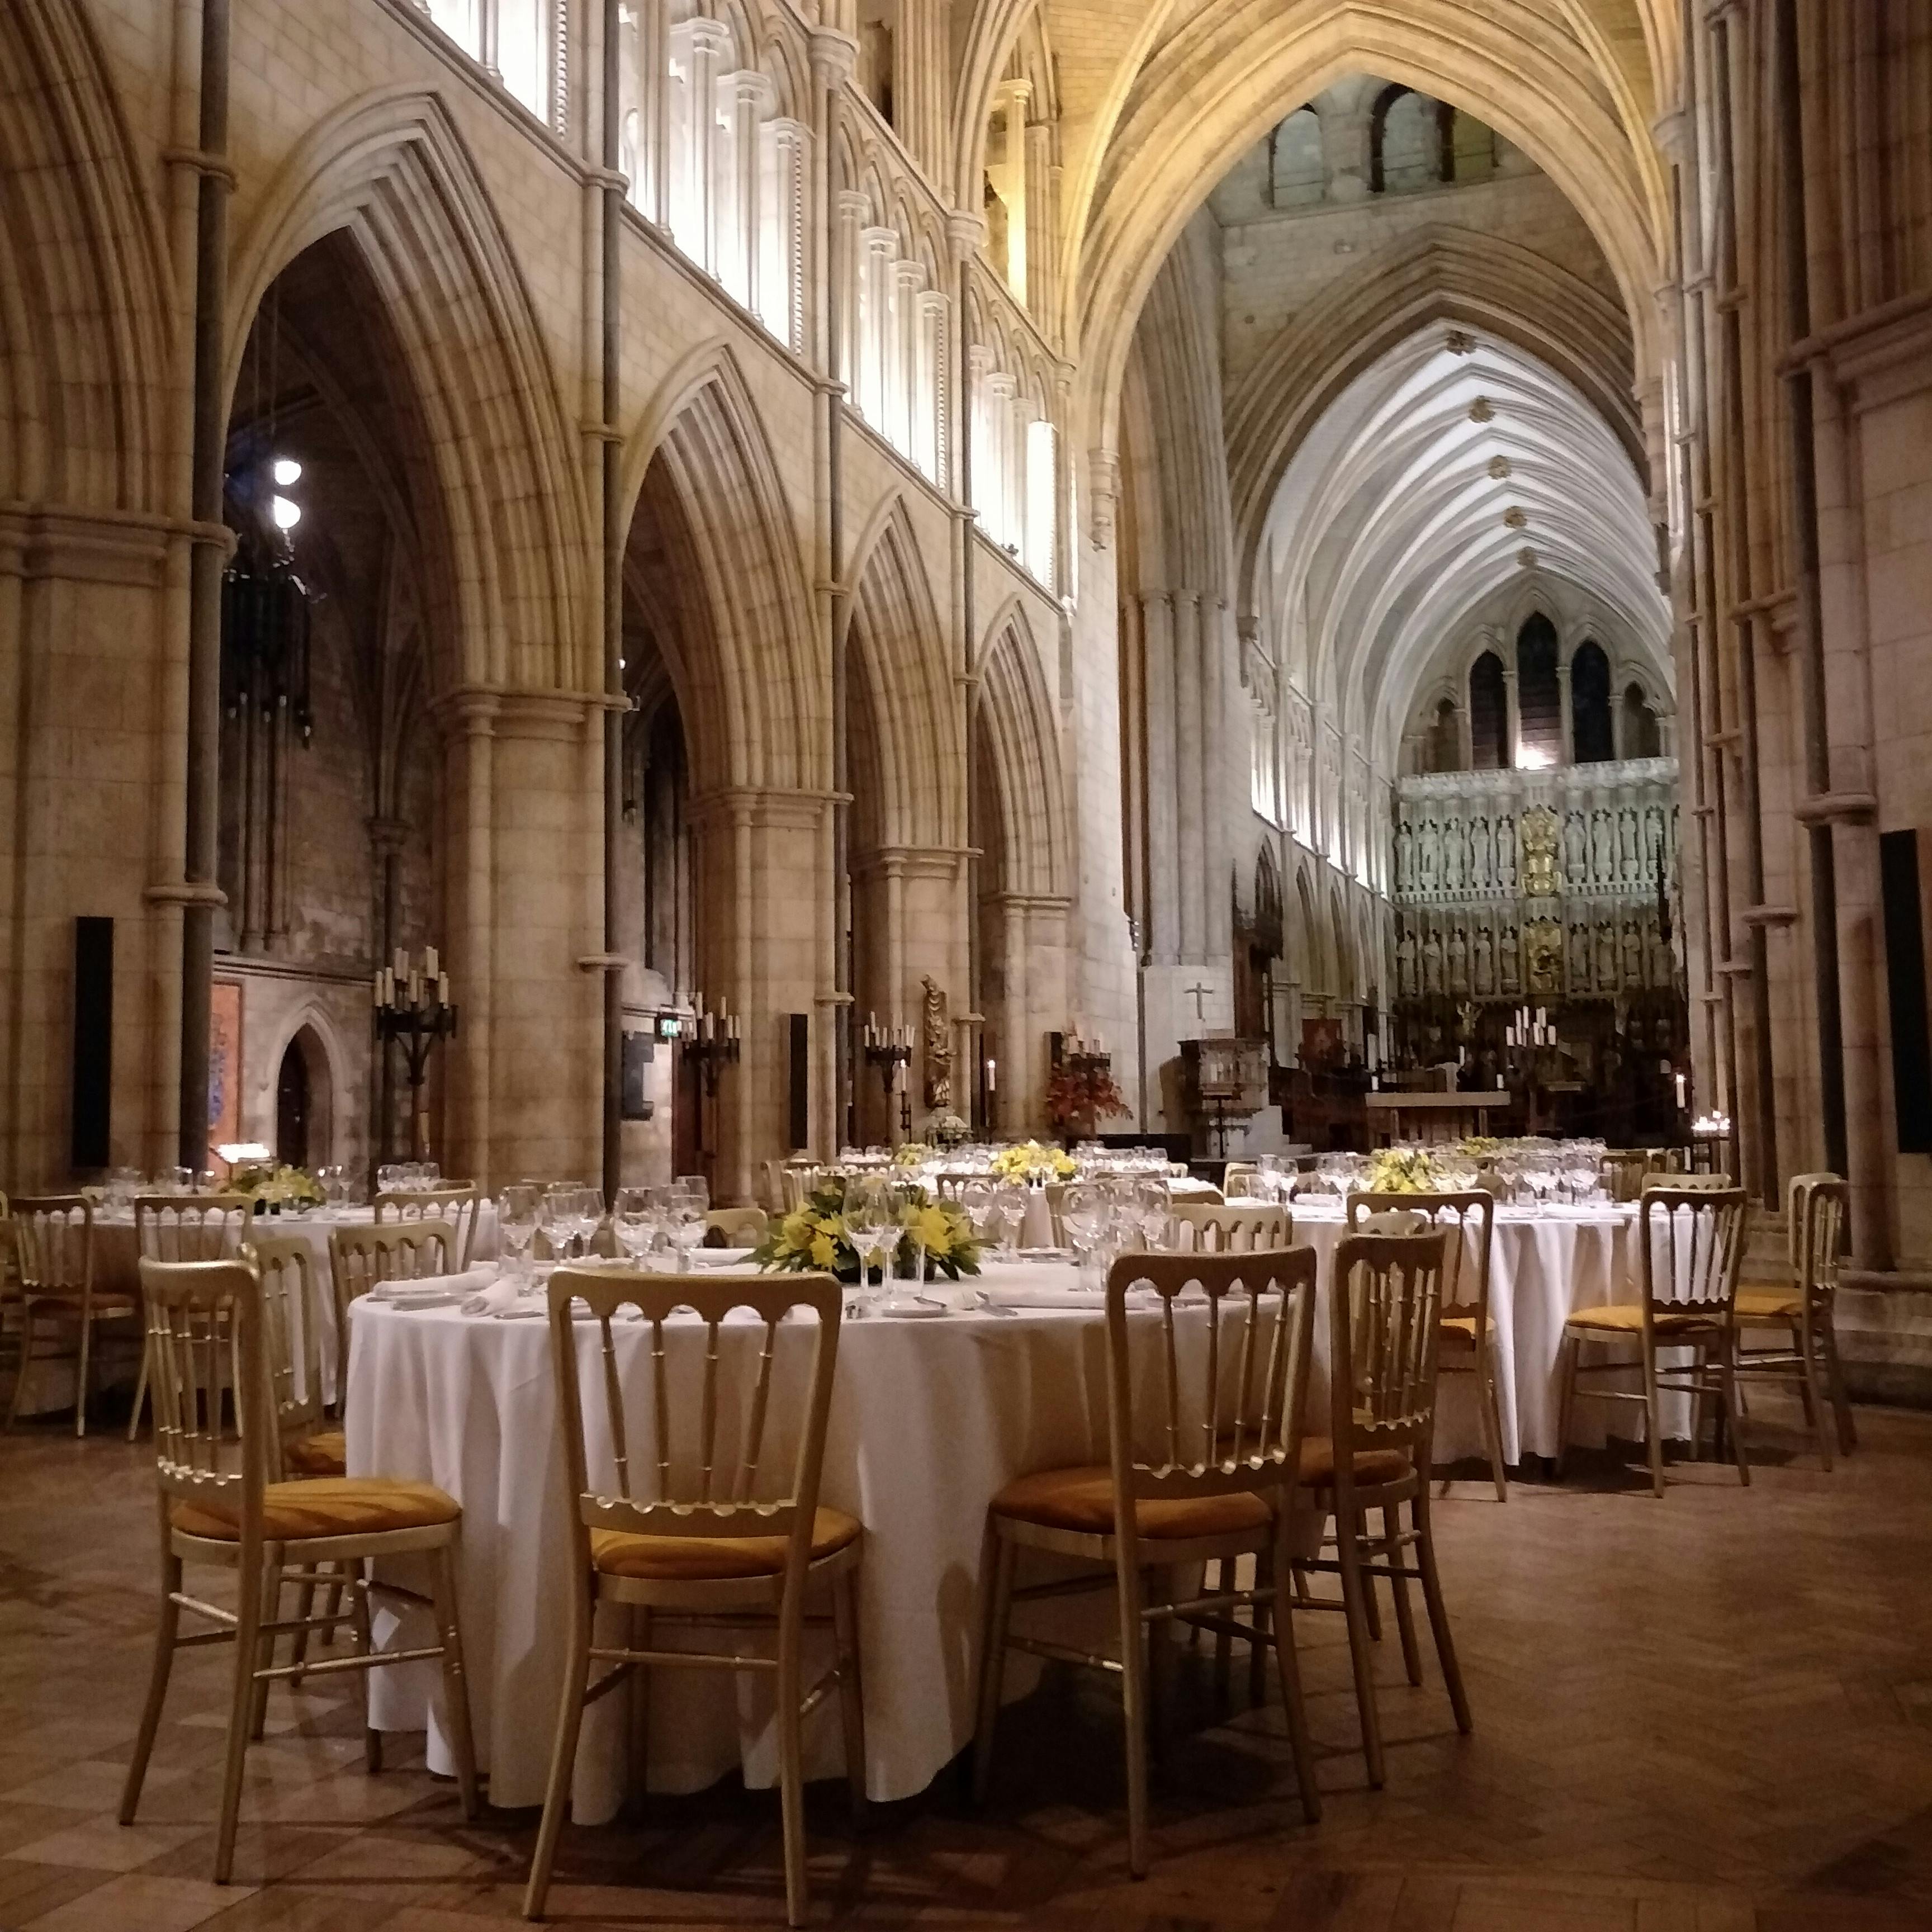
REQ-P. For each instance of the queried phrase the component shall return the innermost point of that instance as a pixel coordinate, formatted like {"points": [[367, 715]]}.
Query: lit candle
{"points": [[1682, 1098], [402, 965], [992, 1074], [376, 993]]}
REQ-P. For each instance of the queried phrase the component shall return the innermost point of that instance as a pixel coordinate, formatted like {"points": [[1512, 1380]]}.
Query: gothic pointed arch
{"points": [[699, 472], [84, 300], [1018, 741], [1215, 87], [392, 170], [904, 678]]}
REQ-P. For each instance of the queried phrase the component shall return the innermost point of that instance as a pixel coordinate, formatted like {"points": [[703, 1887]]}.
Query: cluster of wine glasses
{"points": [[1540, 1173], [1104, 1218], [674, 1214], [407, 1177]]}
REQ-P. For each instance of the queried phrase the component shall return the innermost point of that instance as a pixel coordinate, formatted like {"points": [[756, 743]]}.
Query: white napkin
{"points": [[423, 1287], [721, 1258], [499, 1294], [1020, 1295]]}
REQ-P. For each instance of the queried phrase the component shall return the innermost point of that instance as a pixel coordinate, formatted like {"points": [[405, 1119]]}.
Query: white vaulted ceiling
{"points": [[1396, 518]]}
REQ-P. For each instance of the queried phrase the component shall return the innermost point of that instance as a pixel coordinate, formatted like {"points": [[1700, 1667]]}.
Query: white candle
{"points": [[429, 960], [992, 1074], [443, 987], [1681, 1098]]}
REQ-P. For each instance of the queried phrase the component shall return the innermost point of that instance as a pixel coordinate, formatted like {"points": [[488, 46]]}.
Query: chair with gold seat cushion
{"points": [[700, 1514], [672, 1559], [1690, 1238], [324, 1453], [1805, 1308], [1189, 1479], [216, 1452], [1082, 1500], [300, 1512], [1385, 1303], [1466, 1342]]}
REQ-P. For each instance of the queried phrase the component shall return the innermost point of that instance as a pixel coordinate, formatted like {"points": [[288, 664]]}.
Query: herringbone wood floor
{"points": [[1712, 1714]]}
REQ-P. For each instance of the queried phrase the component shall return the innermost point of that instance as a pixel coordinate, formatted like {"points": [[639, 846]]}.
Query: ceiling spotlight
{"points": [[287, 513], [286, 470]]}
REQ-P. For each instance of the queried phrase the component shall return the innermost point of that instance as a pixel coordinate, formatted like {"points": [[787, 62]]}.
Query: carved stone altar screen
{"points": [[1512, 883]]}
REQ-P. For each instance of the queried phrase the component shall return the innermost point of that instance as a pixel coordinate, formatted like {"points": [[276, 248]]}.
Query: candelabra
{"points": [[713, 1043], [1086, 1056], [1708, 1132], [890, 1049], [413, 1005]]}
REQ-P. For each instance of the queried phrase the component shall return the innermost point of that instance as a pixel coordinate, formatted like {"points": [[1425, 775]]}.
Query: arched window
{"points": [[1539, 704], [296, 1134], [1444, 751], [1489, 715], [1472, 148], [1410, 138], [1643, 738], [1296, 176], [1595, 741]]}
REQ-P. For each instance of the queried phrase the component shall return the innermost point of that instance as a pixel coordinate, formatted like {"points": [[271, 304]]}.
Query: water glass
{"points": [[517, 1211], [634, 1220]]}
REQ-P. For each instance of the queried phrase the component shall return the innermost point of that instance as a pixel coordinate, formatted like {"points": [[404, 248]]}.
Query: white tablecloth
{"points": [[930, 1419]]}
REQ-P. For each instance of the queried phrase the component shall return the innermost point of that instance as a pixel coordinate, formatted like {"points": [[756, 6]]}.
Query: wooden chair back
{"points": [[703, 1458], [205, 1342], [1207, 1229], [192, 1227], [54, 1244], [1384, 1308], [1692, 1240], [1816, 1226], [1231, 1416], [1468, 1219], [1625, 1171], [737, 1227], [801, 1182], [1670, 1179], [456, 1204], [361, 1258], [291, 1348]]}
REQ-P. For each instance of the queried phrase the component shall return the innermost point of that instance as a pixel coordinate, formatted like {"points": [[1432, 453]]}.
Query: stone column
{"points": [[1191, 750], [744, 98], [651, 191], [1512, 717], [912, 395], [1042, 281], [1009, 182], [1566, 754], [1163, 782], [877, 354]]}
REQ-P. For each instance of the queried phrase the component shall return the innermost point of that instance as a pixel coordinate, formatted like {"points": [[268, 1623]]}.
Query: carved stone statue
{"points": [[1606, 956], [1506, 854], [1459, 961], [1431, 962], [1455, 853], [1482, 856], [937, 1040], [1543, 939], [1511, 961], [1603, 848], [1404, 857], [1576, 850], [1632, 954], [1485, 962], [1579, 958], [1405, 963]]}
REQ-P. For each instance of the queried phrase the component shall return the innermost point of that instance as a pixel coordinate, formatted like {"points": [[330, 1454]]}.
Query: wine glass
{"points": [[1012, 1202], [698, 1189], [389, 1178], [1153, 1210], [871, 1225], [684, 1214], [518, 1209], [557, 1215], [979, 1200], [634, 1220], [587, 1215]]}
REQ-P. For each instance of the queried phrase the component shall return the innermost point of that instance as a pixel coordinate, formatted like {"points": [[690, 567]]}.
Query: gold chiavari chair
{"points": [[1202, 1461], [221, 1503], [1467, 1343], [455, 1204], [1804, 1311], [1238, 1182], [713, 1545], [1625, 1171], [54, 1251], [737, 1227], [361, 1258], [799, 1182], [1685, 1183], [1690, 1240], [1384, 1326], [1210, 1230], [185, 1227]]}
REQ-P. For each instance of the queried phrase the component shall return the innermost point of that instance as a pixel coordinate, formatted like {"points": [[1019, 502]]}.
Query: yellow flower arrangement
{"points": [[1399, 1171], [911, 1154], [1029, 1161], [814, 1236]]}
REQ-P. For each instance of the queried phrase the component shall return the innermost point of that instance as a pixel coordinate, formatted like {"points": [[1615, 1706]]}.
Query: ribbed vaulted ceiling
{"points": [[1415, 498]]}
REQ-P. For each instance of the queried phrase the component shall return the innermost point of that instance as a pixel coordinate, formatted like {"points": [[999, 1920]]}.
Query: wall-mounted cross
{"points": [[1198, 994]]}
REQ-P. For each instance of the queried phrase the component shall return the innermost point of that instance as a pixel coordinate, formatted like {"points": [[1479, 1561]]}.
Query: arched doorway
{"points": [[303, 1126]]}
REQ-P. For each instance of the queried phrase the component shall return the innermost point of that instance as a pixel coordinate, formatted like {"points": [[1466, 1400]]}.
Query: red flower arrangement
{"points": [[1078, 1098]]}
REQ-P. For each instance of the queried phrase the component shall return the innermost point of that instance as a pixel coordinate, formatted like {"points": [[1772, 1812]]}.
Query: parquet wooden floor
{"points": [[1712, 1714]]}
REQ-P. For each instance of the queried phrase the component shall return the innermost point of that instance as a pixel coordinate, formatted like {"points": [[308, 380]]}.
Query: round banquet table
{"points": [[930, 1419], [117, 1263]]}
